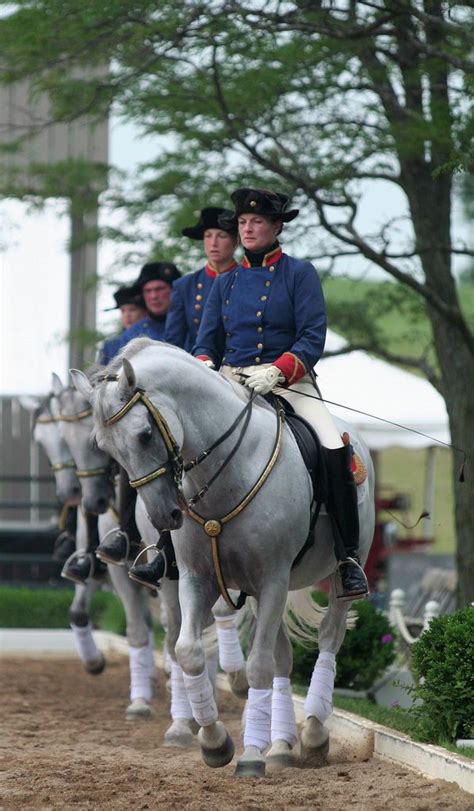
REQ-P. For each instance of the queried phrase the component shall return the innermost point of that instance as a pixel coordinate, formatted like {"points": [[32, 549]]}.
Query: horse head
{"points": [[74, 417], [127, 429], [46, 433]]}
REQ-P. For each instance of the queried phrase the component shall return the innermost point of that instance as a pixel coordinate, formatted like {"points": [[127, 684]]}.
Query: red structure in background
{"points": [[383, 544]]}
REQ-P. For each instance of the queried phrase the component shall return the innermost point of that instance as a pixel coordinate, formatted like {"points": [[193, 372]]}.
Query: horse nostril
{"points": [[76, 490], [102, 504], [176, 516]]}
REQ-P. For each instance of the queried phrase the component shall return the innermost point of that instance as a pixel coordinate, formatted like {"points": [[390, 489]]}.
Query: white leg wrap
{"points": [[283, 712], [151, 656], [84, 643], [319, 698], [180, 706], [201, 698], [231, 658], [258, 718], [140, 686]]}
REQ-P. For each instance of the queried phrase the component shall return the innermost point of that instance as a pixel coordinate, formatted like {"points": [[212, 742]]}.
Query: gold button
{"points": [[267, 284], [226, 301], [253, 203], [195, 320], [197, 306], [271, 269], [225, 317], [263, 298], [200, 285], [258, 313], [198, 297], [259, 329], [228, 334], [257, 360], [259, 346]]}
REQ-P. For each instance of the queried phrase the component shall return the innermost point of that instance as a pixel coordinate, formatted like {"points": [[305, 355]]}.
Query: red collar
{"points": [[268, 259], [213, 273]]}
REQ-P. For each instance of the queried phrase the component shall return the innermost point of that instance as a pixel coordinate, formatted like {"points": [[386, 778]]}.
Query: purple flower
{"points": [[386, 639]]}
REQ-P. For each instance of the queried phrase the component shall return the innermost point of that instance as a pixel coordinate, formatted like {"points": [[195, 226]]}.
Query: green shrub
{"points": [[365, 654], [442, 663], [49, 608]]}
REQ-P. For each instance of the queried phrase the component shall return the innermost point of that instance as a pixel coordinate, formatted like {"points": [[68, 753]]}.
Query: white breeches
{"points": [[314, 411]]}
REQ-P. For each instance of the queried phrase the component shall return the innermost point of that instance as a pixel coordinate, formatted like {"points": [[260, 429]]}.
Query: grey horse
{"points": [[168, 407], [94, 467], [68, 489]]}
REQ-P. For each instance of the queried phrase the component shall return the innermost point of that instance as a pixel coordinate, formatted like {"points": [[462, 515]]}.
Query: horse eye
{"points": [[144, 437]]}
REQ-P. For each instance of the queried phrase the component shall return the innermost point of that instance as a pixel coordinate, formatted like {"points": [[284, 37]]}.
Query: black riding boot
{"points": [[342, 508], [125, 542], [83, 565], [150, 574]]}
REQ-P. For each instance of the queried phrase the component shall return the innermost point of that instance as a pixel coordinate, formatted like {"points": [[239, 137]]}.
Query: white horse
{"points": [[93, 467], [249, 528], [68, 489]]}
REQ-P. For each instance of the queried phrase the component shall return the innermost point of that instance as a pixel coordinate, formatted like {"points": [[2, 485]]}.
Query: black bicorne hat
{"points": [[210, 218], [262, 201], [128, 294], [159, 271]]}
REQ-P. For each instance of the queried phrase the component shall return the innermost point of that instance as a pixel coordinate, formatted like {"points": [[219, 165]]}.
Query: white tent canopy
{"points": [[367, 384]]}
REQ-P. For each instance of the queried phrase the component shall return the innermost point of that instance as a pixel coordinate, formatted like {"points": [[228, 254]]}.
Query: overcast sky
{"points": [[34, 272]]}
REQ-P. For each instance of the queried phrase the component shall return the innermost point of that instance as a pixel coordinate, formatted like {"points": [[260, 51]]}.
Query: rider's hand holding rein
{"points": [[263, 381]]}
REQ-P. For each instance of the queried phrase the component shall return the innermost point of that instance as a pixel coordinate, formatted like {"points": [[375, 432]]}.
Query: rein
{"points": [[212, 526]]}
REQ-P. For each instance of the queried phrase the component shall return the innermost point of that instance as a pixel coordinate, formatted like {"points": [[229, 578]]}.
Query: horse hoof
{"points": [[95, 666], [179, 735], [137, 710], [276, 763], [216, 758], [314, 758], [250, 768], [280, 756], [238, 683]]}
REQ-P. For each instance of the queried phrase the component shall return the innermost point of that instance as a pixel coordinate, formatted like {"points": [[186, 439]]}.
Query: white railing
{"points": [[397, 618]]}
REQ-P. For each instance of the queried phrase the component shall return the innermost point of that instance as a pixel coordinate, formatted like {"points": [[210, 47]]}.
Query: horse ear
{"points": [[82, 383], [29, 403], [56, 385], [127, 381]]}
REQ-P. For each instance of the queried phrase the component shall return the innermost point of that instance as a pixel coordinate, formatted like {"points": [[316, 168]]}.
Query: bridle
{"points": [[176, 467]]}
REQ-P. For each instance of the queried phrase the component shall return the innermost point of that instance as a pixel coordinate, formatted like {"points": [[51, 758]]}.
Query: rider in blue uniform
{"points": [[129, 300], [154, 282], [191, 292], [265, 325]]}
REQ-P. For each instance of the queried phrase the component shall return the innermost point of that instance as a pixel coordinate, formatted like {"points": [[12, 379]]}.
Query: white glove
{"points": [[209, 363], [264, 380]]}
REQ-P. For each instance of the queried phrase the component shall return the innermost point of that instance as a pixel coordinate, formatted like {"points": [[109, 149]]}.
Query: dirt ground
{"points": [[65, 744]]}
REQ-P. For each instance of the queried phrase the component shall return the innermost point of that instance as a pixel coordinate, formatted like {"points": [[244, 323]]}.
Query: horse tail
{"points": [[303, 616]]}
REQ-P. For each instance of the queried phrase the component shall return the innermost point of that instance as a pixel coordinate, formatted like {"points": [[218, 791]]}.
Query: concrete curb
{"points": [[367, 737]]}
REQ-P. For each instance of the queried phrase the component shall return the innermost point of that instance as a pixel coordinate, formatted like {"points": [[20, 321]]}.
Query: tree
{"points": [[320, 98]]}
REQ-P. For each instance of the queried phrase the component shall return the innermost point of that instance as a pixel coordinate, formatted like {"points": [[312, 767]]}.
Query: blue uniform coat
{"points": [[145, 328], [256, 314], [188, 298]]}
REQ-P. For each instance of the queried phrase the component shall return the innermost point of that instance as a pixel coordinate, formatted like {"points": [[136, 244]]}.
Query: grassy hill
{"points": [[360, 308]]}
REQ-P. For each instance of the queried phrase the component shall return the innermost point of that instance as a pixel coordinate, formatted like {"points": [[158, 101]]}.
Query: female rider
{"points": [[264, 324]]}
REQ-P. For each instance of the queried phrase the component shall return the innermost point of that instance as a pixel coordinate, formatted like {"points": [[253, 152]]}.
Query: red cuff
{"points": [[203, 357], [291, 367]]}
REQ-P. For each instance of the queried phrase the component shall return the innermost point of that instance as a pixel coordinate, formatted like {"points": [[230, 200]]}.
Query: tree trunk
{"points": [[430, 206]]}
